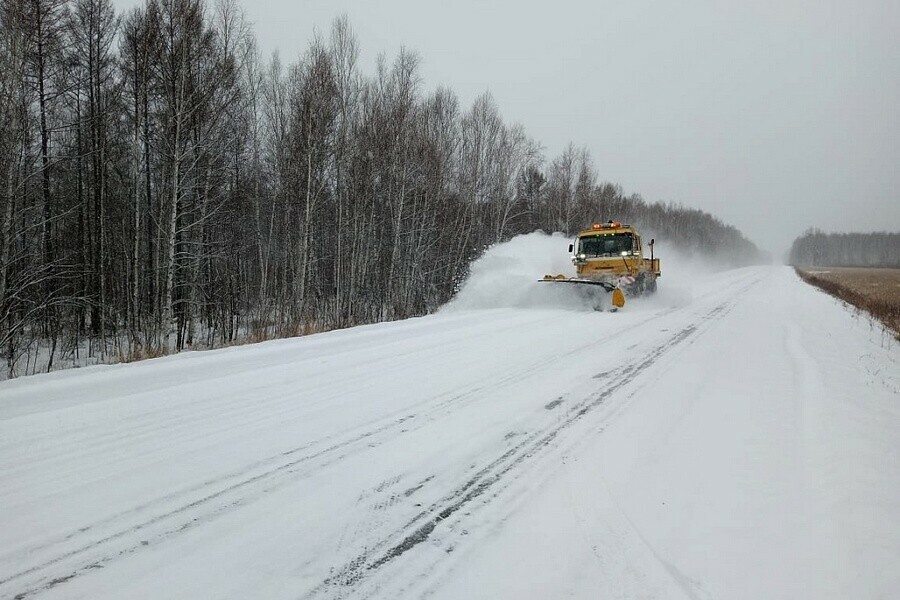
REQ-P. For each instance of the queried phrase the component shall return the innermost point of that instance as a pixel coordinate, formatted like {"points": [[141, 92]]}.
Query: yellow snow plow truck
{"points": [[610, 256]]}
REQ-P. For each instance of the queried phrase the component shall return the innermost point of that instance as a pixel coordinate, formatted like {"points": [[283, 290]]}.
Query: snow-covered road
{"points": [[737, 439]]}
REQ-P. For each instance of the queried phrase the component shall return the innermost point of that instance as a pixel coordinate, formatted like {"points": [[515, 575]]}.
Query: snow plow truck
{"points": [[609, 257]]}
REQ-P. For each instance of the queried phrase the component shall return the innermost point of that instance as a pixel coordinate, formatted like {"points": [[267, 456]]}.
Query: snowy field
{"points": [[737, 436]]}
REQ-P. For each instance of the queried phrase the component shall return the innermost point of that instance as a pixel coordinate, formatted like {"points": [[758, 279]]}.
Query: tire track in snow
{"points": [[189, 420], [362, 535], [498, 474], [133, 537], [95, 549]]}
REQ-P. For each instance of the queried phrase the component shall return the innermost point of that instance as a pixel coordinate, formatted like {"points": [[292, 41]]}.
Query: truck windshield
{"points": [[606, 245]]}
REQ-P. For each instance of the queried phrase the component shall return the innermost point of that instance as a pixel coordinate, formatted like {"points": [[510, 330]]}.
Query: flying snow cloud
{"points": [[506, 276]]}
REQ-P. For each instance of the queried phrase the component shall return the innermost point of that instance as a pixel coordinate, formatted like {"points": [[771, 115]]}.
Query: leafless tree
{"points": [[165, 187]]}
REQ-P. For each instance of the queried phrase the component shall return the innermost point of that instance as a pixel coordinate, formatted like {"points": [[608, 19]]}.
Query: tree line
{"points": [[816, 248], [162, 186]]}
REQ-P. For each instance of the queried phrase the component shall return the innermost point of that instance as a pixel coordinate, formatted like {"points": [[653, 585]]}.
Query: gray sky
{"points": [[774, 115]]}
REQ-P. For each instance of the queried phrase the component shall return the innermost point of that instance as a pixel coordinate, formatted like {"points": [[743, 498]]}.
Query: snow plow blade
{"points": [[618, 297], [609, 287]]}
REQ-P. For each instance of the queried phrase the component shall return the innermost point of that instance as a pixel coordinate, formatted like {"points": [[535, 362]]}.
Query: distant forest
{"points": [[815, 248], [162, 186]]}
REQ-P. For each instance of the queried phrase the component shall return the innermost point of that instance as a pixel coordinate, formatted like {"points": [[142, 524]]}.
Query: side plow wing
{"points": [[618, 298]]}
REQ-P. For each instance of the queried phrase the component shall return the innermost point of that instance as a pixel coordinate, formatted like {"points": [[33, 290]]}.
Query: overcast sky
{"points": [[774, 115]]}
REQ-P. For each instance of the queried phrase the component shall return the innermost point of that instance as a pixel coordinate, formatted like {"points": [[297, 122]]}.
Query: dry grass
{"points": [[876, 291], [136, 354]]}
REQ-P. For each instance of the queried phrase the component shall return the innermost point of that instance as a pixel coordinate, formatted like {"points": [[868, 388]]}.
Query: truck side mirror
{"points": [[571, 247], [651, 241]]}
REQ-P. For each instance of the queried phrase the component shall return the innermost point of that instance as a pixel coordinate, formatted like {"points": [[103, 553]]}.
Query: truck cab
{"points": [[612, 251]]}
